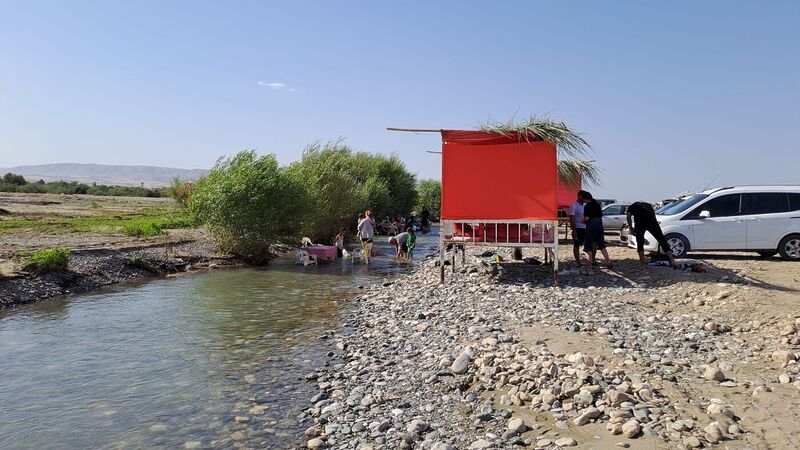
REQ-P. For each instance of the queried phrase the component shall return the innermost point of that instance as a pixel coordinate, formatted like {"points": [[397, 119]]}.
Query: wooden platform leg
{"points": [[441, 263]]}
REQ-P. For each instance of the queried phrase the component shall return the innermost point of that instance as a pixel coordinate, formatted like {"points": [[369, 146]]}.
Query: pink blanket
{"points": [[322, 251]]}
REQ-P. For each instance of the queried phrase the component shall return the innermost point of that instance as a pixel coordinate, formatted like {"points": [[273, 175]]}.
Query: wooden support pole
{"points": [[415, 130]]}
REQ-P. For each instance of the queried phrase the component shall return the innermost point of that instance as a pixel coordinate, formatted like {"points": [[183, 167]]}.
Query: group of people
{"points": [[396, 225], [586, 221], [403, 242]]}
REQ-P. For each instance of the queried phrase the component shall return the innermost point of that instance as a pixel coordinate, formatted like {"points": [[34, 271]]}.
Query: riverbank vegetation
{"points": [[429, 195], [17, 183], [148, 222], [55, 259], [250, 203]]}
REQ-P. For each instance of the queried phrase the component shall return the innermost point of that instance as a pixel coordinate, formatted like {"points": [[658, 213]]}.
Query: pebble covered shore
{"points": [[463, 366]]}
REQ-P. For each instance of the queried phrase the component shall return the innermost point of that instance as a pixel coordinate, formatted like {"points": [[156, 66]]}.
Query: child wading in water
{"points": [[339, 242]]}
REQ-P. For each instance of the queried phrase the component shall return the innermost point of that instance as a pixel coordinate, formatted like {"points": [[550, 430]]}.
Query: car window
{"points": [[683, 205], [766, 202], [794, 201], [611, 210], [668, 206], [723, 206], [623, 209]]}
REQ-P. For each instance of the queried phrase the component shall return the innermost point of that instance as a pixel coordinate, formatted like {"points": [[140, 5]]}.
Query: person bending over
{"points": [[644, 219]]}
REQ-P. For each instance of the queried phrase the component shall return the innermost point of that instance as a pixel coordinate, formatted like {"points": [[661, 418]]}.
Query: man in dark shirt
{"points": [[644, 218], [595, 234]]}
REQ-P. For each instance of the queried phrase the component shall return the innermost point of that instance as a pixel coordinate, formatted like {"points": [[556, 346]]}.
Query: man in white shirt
{"points": [[578, 228]]}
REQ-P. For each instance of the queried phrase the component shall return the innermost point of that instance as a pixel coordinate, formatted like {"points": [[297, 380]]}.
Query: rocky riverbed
{"points": [[498, 358], [90, 269]]}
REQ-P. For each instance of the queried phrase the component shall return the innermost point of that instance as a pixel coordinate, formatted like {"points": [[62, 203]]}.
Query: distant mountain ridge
{"points": [[150, 176]]}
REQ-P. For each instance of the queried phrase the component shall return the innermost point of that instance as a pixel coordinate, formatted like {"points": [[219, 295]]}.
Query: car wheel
{"points": [[789, 248], [678, 244], [767, 254]]}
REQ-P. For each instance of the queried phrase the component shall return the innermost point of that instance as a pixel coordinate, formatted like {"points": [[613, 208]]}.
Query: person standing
{"points": [[644, 220], [425, 217], [339, 242], [578, 227], [595, 234], [366, 230]]}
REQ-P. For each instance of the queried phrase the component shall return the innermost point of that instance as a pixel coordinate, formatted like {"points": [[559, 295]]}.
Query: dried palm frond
{"points": [[569, 143], [572, 172]]}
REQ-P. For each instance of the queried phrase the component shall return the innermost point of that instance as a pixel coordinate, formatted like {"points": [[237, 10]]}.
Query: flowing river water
{"points": [[172, 362]]}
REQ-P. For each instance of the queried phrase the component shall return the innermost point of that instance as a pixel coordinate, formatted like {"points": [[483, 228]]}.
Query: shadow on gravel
{"points": [[625, 274]]}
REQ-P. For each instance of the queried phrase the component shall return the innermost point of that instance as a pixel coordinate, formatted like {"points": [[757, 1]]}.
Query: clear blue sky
{"points": [[669, 94]]}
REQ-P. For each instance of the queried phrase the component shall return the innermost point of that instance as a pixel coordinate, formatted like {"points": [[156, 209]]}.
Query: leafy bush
{"points": [[55, 259], [430, 196], [341, 183], [397, 194], [180, 190], [328, 176], [249, 203]]}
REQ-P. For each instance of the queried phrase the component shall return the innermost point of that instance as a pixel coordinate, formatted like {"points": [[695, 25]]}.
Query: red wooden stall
{"points": [[498, 190]]}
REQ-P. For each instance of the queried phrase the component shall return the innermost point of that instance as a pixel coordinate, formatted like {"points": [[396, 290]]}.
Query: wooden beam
{"points": [[415, 130]]}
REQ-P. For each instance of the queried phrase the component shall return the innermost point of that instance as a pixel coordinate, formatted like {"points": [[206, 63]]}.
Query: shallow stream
{"points": [[171, 362]]}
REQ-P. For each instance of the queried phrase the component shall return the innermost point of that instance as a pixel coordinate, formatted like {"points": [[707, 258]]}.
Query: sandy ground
{"points": [[760, 295]]}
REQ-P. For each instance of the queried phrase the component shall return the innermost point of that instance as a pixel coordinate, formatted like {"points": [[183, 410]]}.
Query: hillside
{"points": [[150, 176]]}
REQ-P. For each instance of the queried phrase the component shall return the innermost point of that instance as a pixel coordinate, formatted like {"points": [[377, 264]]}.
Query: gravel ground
{"points": [[498, 358]]}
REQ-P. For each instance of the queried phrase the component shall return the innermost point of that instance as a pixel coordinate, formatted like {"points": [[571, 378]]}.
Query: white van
{"points": [[762, 219]]}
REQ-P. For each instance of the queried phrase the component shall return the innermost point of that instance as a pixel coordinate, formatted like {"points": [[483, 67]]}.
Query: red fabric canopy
{"points": [[567, 194], [493, 177]]}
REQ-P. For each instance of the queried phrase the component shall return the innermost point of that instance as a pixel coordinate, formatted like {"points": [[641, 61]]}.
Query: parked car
{"points": [[615, 216], [762, 219]]}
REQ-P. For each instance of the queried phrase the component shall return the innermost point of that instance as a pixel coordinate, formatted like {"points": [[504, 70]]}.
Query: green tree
{"points": [[399, 195], [12, 178], [430, 196], [249, 203], [327, 174]]}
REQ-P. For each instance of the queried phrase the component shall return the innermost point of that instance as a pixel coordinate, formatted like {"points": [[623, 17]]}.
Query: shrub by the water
{"points": [[249, 203], [55, 259], [341, 183], [430, 196], [328, 176]]}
